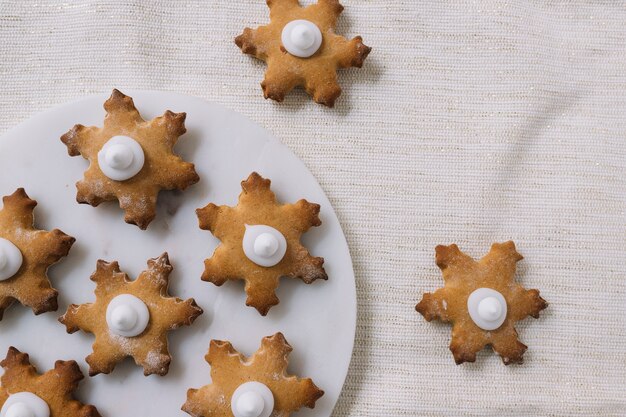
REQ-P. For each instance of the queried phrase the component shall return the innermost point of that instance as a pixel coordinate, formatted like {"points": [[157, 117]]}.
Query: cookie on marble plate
{"points": [[258, 386], [26, 253], [260, 242], [26, 393], [130, 159], [131, 318]]}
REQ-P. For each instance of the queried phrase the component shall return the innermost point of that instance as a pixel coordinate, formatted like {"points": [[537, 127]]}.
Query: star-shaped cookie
{"points": [[258, 206], [466, 279], [268, 366], [55, 387], [39, 249], [317, 73], [149, 348], [160, 169]]}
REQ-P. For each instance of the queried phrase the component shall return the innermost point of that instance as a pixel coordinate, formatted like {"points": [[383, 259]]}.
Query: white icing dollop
{"points": [[127, 315], [487, 308], [10, 259], [264, 245], [24, 404], [301, 38], [252, 399], [121, 158]]}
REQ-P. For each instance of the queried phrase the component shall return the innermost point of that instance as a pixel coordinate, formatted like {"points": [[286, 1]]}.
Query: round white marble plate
{"points": [[318, 320]]}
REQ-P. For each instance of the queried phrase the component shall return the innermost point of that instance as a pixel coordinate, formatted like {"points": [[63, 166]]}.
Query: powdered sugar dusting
{"points": [[123, 342], [154, 359]]}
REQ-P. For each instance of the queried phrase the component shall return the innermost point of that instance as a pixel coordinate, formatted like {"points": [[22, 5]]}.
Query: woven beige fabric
{"points": [[471, 122]]}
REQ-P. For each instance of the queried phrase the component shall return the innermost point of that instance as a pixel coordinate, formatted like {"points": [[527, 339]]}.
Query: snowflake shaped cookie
{"points": [[301, 49], [23, 391], [483, 301], [26, 253], [131, 318], [260, 242], [239, 383], [130, 159]]}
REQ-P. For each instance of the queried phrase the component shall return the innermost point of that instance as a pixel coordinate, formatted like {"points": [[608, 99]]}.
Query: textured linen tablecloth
{"points": [[471, 122]]}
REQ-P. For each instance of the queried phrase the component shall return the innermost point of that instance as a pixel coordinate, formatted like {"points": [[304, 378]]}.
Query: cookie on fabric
{"points": [[483, 301], [131, 318], [130, 159], [25, 392], [301, 49], [258, 386], [260, 242], [26, 253]]}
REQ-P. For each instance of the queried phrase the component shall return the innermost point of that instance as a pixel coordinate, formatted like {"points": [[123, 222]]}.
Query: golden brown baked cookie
{"points": [[268, 366], [317, 73], [463, 277], [55, 387], [161, 169], [149, 346], [40, 249], [257, 206]]}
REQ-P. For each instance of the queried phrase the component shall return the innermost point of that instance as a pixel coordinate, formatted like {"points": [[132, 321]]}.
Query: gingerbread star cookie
{"points": [[130, 159], [258, 386], [483, 301], [26, 253], [131, 318], [25, 392], [260, 242], [301, 49]]}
